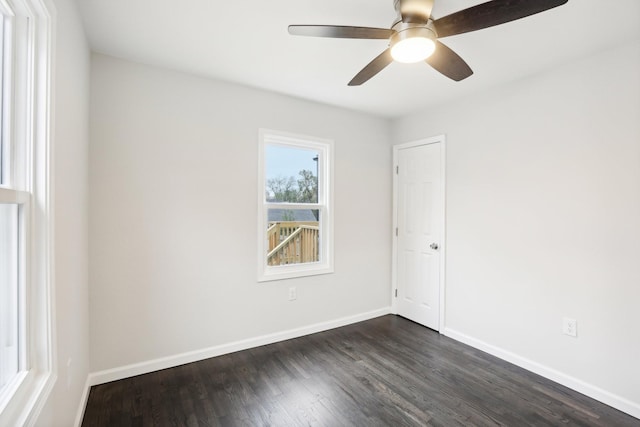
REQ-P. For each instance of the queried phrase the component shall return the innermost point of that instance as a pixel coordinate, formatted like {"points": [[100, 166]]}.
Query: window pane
{"points": [[3, 145], [291, 174], [8, 292], [293, 236]]}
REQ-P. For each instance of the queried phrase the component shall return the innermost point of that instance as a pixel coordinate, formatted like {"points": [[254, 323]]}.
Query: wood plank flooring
{"points": [[383, 372]]}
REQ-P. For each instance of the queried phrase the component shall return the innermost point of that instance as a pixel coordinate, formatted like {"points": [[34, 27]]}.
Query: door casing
{"points": [[440, 139]]}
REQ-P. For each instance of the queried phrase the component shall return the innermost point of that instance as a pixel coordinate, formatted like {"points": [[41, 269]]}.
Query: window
{"points": [[4, 77], [9, 266], [26, 368], [295, 220], [10, 232]]}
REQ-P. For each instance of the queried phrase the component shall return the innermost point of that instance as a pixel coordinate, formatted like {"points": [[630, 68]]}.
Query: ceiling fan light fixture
{"points": [[413, 36], [414, 44]]}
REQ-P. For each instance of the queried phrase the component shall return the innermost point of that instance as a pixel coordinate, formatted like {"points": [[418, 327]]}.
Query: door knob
{"points": [[434, 246]]}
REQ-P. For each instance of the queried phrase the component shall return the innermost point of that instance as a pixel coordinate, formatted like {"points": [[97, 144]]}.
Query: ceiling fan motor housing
{"points": [[405, 31], [415, 11]]}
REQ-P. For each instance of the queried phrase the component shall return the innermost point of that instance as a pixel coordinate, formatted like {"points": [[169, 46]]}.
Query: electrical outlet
{"points": [[570, 327], [293, 295]]}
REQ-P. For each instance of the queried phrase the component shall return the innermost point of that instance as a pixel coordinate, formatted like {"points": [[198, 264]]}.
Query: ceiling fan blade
{"points": [[489, 14], [340, 31], [416, 11], [373, 68], [447, 62]]}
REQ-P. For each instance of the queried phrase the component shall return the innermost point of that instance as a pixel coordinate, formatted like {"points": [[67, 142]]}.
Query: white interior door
{"points": [[420, 229]]}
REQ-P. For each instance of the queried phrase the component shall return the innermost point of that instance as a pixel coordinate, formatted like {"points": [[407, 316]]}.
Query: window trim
{"points": [[29, 180], [325, 204]]}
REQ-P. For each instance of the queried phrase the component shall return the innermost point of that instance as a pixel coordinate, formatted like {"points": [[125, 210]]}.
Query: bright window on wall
{"points": [[295, 220], [10, 230], [3, 62], [9, 284], [26, 353]]}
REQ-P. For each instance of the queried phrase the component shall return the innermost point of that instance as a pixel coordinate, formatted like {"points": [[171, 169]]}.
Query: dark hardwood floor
{"points": [[383, 372]]}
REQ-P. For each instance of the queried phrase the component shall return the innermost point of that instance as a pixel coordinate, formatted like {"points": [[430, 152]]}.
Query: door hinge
{"points": [[396, 293], [397, 170], [396, 231]]}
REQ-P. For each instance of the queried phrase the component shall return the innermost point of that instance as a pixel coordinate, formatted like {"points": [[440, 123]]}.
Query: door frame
{"points": [[439, 139]]}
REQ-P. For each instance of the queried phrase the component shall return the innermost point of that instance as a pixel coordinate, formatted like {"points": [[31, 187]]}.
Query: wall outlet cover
{"points": [[570, 327]]}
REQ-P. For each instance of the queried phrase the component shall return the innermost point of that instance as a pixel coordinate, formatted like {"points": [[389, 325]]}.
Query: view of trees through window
{"points": [[300, 189], [291, 181]]}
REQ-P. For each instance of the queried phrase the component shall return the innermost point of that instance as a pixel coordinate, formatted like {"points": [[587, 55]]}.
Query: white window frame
{"points": [[324, 147], [26, 136]]}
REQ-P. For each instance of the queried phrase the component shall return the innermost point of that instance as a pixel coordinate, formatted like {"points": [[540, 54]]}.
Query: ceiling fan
{"points": [[414, 34]]}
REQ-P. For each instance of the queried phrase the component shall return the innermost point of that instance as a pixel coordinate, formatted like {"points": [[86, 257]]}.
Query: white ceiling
{"points": [[246, 42]]}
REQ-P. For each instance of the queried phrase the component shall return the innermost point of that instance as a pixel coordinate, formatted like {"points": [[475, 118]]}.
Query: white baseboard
{"points": [[127, 371], [618, 402], [83, 403]]}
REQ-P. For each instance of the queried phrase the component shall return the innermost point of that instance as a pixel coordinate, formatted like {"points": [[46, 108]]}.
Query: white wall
{"points": [[70, 184], [173, 214], [543, 219]]}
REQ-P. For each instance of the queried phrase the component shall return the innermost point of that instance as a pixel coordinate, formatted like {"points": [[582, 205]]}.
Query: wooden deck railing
{"points": [[293, 242]]}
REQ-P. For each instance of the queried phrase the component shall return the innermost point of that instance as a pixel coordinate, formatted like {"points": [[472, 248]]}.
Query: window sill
{"points": [[284, 272], [24, 405], [10, 389]]}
